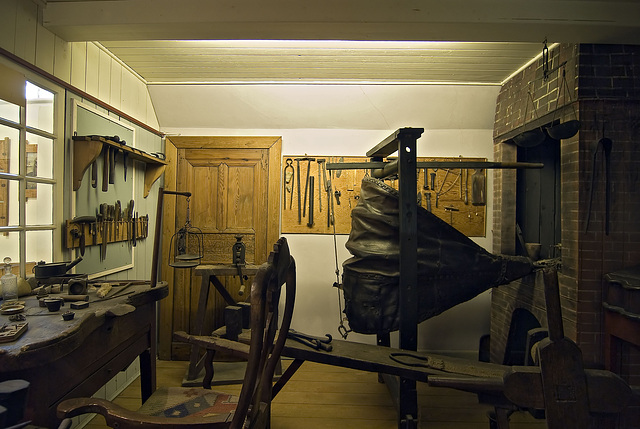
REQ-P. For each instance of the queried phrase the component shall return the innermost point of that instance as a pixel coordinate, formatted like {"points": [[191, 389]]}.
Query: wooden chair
{"points": [[188, 407]]}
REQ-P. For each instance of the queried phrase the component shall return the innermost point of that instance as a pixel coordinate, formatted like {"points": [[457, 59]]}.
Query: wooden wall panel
{"points": [[104, 77], [45, 50], [26, 29], [78, 64], [62, 60], [116, 85], [92, 69], [82, 64], [8, 25]]}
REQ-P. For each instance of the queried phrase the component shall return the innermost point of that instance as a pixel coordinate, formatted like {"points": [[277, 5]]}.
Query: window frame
{"points": [[57, 179]]}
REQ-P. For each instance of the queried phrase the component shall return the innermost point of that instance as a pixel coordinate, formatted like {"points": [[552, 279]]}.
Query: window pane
{"points": [[9, 150], [10, 245], [39, 204], [9, 111], [39, 108], [13, 203], [39, 156], [39, 247]]}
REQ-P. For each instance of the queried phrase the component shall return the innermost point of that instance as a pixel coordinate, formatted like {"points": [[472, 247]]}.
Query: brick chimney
{"points": [[552, 206]]}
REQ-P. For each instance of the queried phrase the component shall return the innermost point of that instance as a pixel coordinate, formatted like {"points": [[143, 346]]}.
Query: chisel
{"points": [[311, 187], [94, 174], [105, 168], [320, 161], [112, 165], [103, 245], [125, 155], [298, 181], [135, 228]]}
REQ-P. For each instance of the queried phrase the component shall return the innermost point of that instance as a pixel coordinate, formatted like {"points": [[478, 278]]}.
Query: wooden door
{"points": [[235, 187]]}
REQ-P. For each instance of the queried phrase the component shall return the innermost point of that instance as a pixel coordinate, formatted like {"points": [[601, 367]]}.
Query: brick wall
{"points": [[604, 91]]}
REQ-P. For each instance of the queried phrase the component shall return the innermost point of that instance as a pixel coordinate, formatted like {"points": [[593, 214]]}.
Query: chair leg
{"points": [[208, 369], [499, 418]]}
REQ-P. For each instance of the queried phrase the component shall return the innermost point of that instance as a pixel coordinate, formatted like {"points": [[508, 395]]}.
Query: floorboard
{"points": [[326, 397]]}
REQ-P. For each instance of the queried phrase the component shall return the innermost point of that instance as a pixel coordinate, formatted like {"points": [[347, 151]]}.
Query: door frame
{"points": [[273, 145]]}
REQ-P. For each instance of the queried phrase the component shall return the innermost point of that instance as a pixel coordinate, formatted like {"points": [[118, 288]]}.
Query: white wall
{"points": [[444, 116]]}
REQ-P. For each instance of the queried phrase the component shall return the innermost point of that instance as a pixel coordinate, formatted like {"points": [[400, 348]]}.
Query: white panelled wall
{"points": [[91, 69], [82, 64]]}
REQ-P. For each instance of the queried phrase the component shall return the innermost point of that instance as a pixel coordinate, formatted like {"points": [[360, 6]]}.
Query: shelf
{"points": [[86, 149]]}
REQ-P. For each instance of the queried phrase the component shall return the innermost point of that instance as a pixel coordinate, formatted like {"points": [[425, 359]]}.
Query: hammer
{"points": [[78, 232], [306, 186], [298, 181]]}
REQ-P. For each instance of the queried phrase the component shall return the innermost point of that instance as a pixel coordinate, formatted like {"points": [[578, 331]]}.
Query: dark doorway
{"points": [[538, 198]]}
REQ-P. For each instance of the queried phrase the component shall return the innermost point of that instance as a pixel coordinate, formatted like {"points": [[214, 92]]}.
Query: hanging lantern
{"points": [[186, 248]]}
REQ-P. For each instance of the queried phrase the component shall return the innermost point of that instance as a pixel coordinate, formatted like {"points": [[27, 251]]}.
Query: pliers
{"points": [[288, 178]]}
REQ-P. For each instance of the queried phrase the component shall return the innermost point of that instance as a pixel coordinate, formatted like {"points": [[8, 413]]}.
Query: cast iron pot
{"points": [[43, 270]]}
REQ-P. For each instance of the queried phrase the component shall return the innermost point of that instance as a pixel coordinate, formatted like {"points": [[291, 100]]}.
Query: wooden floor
{"points": [[327, 397]]}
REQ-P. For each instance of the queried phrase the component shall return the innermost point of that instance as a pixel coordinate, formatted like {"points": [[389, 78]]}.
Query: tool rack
{"points": [[115, 231], [86, 150], [450, 183]]}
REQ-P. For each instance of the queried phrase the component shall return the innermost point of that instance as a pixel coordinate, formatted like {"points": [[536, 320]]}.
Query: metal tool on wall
{"points": [[306, 186], [298, 181], [478, 188], [78, 232], [186, 247], [288, 183], [606, 144], [320, 163], [311, 189]]}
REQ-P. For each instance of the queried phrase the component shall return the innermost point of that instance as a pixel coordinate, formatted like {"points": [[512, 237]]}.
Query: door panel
{"points": [[232, 192]]}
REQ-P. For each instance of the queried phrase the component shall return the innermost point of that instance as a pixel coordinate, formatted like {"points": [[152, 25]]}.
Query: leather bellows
{"points": [[451, 268]]}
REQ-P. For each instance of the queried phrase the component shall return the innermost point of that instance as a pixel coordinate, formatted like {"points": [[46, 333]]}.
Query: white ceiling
{"points": [[176, 44], [372, 107]]}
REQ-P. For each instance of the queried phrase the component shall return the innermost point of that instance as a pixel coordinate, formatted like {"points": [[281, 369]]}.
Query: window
{"points": [[30, 189]]}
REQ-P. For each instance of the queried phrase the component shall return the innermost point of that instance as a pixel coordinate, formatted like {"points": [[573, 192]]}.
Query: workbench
{"points": [[65, 359], [209, 275]]}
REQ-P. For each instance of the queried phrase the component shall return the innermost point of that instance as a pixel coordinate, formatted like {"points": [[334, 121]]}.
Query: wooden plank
{"points": [[78, 64], [45, 50], [390, 145], [93, 69], [62, 60]]}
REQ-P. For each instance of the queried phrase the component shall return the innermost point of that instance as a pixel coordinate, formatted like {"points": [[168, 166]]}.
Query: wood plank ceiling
{"points": [[173, 62]]}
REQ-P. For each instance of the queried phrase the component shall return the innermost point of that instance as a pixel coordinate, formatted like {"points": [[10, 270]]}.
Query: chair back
{"points": [[264, 352]]}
